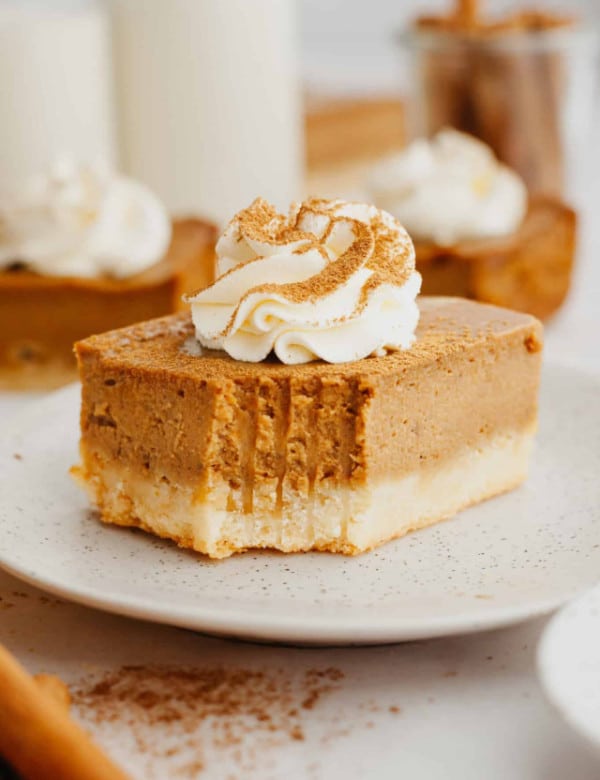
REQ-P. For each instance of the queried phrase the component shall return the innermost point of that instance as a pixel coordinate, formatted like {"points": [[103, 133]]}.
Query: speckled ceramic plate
{"points": [[509, 559], [569, 664]]}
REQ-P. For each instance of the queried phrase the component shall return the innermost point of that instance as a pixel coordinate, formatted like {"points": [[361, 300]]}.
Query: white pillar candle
{"points": [[209, 101], [55, 86]]}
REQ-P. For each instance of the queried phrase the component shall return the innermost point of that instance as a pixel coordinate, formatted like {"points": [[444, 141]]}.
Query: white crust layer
{"points": [[343, 520]]}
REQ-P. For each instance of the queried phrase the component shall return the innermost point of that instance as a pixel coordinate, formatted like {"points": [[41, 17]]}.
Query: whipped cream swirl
{"points": [[334, 281], [84, 221], [450, 189]]}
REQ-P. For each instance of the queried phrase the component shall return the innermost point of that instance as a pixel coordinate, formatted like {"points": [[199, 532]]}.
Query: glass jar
{"points": [[530, 95]]}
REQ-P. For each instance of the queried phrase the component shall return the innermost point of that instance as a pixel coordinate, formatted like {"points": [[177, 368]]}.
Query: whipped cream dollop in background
{"points": [[84, 221], [332, 280], [449, 189]]}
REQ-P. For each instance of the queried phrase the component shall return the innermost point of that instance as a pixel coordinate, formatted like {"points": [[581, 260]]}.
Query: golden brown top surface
{"points": [[167, 345]]}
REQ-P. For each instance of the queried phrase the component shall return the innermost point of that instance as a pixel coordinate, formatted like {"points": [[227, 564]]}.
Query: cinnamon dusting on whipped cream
{"points": [[332, 280]]}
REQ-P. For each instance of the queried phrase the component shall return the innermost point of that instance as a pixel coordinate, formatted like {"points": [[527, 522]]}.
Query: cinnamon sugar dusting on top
{"points": [[382, 247], [336, 274], [332, 281], [261, 222], [446, 325]]}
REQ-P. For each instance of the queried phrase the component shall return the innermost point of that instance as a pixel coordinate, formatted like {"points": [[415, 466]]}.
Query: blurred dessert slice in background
{"points": [[84, 250], [341, 131], [528, 271], [477, 232]]}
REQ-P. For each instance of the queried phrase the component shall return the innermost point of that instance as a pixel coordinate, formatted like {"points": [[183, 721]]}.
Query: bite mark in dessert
{"points": [[222, 455]]}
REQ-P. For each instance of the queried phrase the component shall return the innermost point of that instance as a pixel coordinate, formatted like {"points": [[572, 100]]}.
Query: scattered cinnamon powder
{"points": [[189, 717]]}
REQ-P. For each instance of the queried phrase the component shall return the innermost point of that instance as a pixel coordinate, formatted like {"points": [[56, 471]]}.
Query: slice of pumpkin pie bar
{"points": [[310, 400]]}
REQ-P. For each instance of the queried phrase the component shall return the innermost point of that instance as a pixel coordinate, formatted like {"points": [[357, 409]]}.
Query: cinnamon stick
{"points": [[55, 688], [37, 736], [511, 98], [522, 85], [468, 13]]}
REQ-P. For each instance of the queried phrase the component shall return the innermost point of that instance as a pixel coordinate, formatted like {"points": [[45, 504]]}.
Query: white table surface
{"points": [[469, 708]]}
